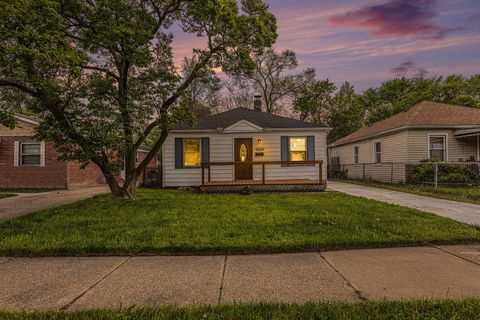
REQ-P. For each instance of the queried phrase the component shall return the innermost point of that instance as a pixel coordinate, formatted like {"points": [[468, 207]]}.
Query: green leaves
{"points": [[102, 75]]}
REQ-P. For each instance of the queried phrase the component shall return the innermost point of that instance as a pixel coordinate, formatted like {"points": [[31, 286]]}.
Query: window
{"points": [[377, 148], [437, 147], [191, 152], [298, 149], [355, 154], [30, 154]]}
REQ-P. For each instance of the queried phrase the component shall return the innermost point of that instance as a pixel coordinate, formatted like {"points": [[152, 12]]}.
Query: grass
{"points": [[463, 194], [173, 222], [438, 310], [6, 195]]}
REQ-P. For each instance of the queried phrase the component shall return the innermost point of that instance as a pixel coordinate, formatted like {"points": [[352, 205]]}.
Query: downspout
{"points": [[478, 148]]}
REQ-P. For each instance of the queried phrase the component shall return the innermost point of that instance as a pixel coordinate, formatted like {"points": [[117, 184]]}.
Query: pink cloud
{"points": [[396, 18]]}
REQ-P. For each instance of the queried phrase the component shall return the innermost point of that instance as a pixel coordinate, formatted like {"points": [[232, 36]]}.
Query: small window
{"points": [[377, 146], [437, 148], [191, 153], [355, 154], [30, 154], [298, 149]]}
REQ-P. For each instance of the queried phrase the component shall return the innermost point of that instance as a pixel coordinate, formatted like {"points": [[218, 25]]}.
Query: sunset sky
{"points": [[369, 41]]}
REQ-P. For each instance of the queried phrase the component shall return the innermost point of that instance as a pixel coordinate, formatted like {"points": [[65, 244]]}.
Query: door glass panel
{"points": [[243, 152]]}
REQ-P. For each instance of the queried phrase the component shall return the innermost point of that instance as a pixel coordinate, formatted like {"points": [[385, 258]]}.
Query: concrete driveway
{"points": [[72, 283], [460, 211], [25, 203]]}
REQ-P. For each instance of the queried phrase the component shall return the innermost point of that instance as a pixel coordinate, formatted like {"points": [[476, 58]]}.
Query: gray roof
{"points": [[261, 119]]}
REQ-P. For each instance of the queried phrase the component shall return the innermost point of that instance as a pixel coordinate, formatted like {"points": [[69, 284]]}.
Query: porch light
{"points": [[259, 141]]}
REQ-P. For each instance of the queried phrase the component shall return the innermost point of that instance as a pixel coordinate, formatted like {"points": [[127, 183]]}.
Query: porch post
{"points": [[263, 173]]}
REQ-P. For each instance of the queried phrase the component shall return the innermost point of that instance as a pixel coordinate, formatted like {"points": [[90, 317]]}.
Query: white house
{"points": [[246, 147]]}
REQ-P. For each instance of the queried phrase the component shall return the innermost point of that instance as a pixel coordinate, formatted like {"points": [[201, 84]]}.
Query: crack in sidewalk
{"points": [[455, 255], [8, 260], [68, 305], [220, 291], [355, 290]]}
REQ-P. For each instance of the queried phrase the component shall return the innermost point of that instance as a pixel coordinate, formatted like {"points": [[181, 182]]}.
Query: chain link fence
{"points": [[452, 174]]}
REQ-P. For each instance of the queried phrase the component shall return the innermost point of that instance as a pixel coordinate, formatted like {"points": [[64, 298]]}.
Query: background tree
{"points": [[237, 93], [346, 114], [100, 74], [203, 95], [272, 78], [313, 101], [351, 112], [399, 94]]}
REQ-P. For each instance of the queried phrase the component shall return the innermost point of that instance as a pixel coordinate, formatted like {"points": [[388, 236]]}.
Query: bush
{"points": [[447, 173], [453, 178]]}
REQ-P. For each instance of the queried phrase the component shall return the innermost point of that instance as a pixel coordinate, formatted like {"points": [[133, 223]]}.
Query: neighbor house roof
{"points": [[424, 114], [265, 120], [29, 119]]}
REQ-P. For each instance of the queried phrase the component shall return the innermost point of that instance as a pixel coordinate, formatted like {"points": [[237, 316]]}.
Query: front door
{"points": [[243, 153]]}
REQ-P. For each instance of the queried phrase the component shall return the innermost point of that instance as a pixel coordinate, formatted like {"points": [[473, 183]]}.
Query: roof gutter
{"points": [[221, 130], [382, 133]]}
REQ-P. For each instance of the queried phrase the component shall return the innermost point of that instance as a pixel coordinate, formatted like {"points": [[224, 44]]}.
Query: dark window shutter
{"points": [[205, 149], [285, 149], [178, 153], [311, 148]]}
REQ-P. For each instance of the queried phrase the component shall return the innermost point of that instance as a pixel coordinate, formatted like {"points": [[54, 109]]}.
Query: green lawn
{"points": [[170, 221], [464, 194], [437, 310]]}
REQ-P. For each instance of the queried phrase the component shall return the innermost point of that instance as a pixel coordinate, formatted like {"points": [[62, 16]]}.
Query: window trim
{"points": [[356, 157], [21, 154], [445, 148], [183, 152], [375, 142], [290, 149]]}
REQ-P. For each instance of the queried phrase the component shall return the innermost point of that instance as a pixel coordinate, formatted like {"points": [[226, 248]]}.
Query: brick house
{"points": [[26, 163]]}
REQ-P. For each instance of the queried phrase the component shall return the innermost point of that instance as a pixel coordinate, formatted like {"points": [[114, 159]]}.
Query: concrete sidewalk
{"points": [[460, 211], [71, 283], [25, 203]]}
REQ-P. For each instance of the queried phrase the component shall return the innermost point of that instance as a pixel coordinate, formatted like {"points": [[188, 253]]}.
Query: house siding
{"points": [[398, 149], [394, 150], [457, 149], [222, 149]]}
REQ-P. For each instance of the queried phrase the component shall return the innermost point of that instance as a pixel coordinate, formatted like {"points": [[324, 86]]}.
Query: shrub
{"points": [[447, 173], [453, 178]]}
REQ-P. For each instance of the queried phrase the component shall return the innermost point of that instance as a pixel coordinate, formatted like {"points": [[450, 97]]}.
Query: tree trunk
{"points": [[125, 191]]}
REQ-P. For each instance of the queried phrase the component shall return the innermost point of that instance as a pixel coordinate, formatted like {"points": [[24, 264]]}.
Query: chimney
{"points": [[257, 103]]}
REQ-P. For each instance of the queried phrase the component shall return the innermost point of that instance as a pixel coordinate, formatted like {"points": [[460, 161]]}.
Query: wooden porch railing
{"points": [[208, 165]]}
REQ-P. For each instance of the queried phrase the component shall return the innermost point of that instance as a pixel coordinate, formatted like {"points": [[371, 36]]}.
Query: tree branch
{"points": [[106, 71], [19, 86]]}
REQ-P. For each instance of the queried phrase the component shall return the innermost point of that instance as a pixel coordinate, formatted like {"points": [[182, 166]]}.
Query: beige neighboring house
{"points": [[389, 149]]}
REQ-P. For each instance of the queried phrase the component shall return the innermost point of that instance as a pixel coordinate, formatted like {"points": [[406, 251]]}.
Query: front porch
{"points": [[472, 137], [264, 184]]}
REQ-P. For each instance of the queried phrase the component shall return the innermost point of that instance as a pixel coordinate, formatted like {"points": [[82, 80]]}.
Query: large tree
{"points": [[273, 78], [100, 73]]}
